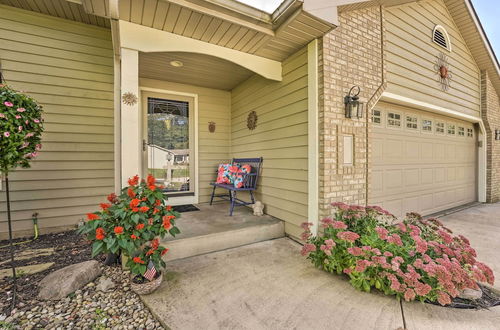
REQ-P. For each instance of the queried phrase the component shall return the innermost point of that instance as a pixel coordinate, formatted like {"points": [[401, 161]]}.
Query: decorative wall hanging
{"points": [[129, 98], [211, 126], [252, 120], [442, 67]]}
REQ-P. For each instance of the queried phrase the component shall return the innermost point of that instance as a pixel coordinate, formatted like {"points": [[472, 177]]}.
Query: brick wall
{"points": [[352, 54], [490, 105]]}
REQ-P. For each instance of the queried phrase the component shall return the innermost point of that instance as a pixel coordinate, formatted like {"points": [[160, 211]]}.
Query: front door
{"points": [[168, 144]]}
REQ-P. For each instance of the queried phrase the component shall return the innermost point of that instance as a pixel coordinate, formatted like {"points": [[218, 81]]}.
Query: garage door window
{"points": [[470, 132], [427, 125], [461, 131], [451, 129], [411, 122], [376, 117], [439, 128], [394, 119]]}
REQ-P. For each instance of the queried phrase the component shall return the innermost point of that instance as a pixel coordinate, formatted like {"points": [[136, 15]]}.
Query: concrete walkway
{"points": [[268, 285]]}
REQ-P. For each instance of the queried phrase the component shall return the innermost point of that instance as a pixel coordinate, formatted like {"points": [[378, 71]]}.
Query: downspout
{"points": [[373, 100], [115, 34]]}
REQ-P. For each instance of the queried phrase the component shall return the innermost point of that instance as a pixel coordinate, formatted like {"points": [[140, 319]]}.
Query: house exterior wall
{"points": [[490, 105], [411, 57], [213, 148], [352, 54], [280, 138], [68, 68]]}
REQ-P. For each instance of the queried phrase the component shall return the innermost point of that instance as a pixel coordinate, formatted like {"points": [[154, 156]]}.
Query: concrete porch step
{"points": [[211, 229]]}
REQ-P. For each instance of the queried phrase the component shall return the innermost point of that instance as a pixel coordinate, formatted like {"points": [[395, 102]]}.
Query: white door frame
{"points": [[182, 199]]}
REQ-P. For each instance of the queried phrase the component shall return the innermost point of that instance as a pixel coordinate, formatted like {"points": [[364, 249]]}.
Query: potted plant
{"points": [[131, 225], [21, 127]]}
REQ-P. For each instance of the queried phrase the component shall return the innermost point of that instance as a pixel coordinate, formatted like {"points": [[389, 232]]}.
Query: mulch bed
{"points": [[69, 248]]}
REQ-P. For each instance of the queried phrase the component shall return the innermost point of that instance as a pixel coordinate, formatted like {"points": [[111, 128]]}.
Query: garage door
{"points": [[421, 162]]}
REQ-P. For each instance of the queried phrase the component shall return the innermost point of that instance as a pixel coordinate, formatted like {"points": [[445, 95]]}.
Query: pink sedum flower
{"points": [[339, 225], [348, 236], [355, 251], [382, 232], [443, 298], [409, 295], [307, 248]]}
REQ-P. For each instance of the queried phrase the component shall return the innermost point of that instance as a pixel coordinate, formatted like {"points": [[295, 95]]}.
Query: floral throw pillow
{"points": [[223, 174], [239, 176]]}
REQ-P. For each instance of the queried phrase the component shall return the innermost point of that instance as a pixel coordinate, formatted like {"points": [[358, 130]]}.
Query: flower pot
{"points": [[147, 287]]}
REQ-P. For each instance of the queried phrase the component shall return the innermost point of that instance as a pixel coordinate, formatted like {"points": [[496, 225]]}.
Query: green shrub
{"points": [[413, 259]]}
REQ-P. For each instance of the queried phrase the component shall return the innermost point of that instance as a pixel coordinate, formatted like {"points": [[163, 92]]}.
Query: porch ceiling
{"points": [[198, 69]]}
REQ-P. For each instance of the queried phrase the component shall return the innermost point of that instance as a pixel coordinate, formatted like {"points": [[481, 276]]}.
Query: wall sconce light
{"points": [[353, 107], [497, 134]]}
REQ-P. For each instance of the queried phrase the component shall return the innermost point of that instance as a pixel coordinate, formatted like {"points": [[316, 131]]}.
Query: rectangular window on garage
{"points": [[451, 129], [440, 127], [461, 131], [377, 117], [470, 132], [411, 122], [427, 125], [393, 119]]}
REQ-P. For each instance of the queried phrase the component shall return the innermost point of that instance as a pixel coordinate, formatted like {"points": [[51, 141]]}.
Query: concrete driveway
{"points": [[268, 285]]}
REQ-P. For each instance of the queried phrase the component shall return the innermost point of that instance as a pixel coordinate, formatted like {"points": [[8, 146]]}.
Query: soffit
{"points": [[59, 8], [225, 23], [198, 69]]}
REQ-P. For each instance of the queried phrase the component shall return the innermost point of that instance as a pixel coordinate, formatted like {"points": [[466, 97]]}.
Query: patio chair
{"points": [[249, 184]]}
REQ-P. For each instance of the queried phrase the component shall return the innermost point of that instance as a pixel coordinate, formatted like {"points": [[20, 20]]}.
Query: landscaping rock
{"points": [[105, 284], [470, 294], [25, 270], [64, 281]]}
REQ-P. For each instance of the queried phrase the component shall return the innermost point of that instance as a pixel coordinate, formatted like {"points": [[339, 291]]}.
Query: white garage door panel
{"points": [[420, 170]]}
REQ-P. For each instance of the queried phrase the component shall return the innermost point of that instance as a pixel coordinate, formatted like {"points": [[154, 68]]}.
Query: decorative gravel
{"points": [[88, 308]]}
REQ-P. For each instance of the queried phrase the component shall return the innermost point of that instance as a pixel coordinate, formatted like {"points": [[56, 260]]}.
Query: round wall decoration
{"points": [[211, 126], [442, 68], [252, 120], [129, 98]]}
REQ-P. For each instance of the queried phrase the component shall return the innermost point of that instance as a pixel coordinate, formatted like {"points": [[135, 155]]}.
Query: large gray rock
{"points": [[470, 294], [66, 280]]}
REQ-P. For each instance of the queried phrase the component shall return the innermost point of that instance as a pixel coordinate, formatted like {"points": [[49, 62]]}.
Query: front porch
{"points": [[212, 229], [192, 112]]}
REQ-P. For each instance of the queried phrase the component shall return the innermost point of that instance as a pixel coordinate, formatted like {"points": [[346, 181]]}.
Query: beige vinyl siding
{"points": [[280, 137], [411, 56], [68, 68], [213, 148]]}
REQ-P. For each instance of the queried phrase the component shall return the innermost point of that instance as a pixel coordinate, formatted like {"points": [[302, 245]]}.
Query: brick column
{"points": [[352, 54]]}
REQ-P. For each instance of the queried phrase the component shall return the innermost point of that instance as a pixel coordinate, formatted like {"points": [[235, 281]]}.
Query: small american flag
{"points": [[150, 271]]}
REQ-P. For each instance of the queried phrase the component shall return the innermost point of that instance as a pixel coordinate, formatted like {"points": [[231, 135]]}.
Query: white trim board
{"points": [[481, 166], [145, 39], [313, 135]]}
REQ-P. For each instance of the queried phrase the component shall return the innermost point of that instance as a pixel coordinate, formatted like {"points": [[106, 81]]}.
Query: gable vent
{"points": [[440, 37]]}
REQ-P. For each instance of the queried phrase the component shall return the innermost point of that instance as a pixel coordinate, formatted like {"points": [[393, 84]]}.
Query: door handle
{"points": [[144, 144]]}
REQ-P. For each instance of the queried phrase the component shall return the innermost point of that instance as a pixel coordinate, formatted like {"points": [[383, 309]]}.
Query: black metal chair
{"points": [[249, 184]]}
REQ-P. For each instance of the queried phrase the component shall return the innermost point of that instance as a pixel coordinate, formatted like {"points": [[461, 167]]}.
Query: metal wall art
{"points": [[252, 120], [211, 126], [129, 98], [442, 68]]}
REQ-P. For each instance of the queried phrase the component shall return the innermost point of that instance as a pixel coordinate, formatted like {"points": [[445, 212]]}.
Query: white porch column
{"points": [[131, 140]]}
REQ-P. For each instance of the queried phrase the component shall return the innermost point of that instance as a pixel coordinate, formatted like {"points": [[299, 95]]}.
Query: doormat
{"points": [[185, 208]]}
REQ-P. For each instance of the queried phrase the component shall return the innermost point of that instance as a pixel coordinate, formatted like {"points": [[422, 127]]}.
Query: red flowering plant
{"points": [[132, 223], [415, 259]]}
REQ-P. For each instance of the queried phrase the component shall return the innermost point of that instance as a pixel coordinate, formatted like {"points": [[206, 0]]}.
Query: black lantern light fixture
{"points": [[497, 134], [353, 107]]}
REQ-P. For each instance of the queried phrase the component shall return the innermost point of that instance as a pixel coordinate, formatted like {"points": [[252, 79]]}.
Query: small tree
{"points": [[21, 126]]}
